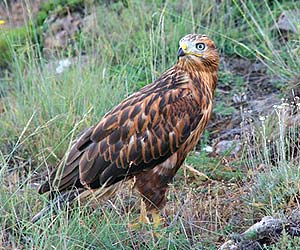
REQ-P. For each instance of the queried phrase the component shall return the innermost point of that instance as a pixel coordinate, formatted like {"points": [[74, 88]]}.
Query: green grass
{"points": [[129, 47], [273, 161], [274, 157], [12, 40]]}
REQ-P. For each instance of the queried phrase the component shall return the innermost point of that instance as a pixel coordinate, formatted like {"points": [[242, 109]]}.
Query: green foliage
{"points": [[277, 187], [214, 169], [59, 6], [273, 157], [286, 242], [224, 110], [12, 40]]}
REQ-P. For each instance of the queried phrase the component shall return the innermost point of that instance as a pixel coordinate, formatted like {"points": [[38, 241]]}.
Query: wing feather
{"points": [[141, 132]]}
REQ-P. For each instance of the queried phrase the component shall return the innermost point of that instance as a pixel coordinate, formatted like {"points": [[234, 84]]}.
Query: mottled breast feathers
{"points": [[141, 132]]}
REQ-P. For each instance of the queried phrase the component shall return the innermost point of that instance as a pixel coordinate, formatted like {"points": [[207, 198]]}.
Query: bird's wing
{"points": [[141, 132]]}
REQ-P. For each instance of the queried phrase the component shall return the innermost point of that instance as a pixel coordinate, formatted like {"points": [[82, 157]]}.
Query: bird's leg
{"points": [[143, 219], [157, 221], [143, 216], [156, 218]]}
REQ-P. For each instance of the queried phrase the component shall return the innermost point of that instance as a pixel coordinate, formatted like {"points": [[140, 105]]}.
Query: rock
{"points": [[61, 32], [246, 245], [229, 245], [289, 21], [208, 149], [268, 227], [90, 25], [294, 223], [240, 99], [263, 105], [228, 146]]}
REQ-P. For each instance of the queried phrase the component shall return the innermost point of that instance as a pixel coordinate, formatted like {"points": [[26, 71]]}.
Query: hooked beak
{"points": [[180, 53]]}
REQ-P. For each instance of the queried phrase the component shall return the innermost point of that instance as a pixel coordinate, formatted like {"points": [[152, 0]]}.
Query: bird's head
{"points": [[198, 50]]}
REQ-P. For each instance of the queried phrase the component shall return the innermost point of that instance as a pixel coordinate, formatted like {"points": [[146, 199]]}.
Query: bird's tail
{"points": [[58, 204], [83, 196]]}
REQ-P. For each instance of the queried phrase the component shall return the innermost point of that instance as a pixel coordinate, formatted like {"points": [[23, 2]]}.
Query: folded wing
{"points": [[138, 134]]}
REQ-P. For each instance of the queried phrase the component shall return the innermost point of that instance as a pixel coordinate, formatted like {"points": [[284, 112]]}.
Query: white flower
{"points": [[262, 118], [62, 65]]}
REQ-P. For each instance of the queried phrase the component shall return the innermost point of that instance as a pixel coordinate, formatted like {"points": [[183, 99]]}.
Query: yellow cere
{"points": [[184, 46]]}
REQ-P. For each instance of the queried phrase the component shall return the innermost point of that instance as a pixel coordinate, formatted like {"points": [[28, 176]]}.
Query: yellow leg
{"points": [[143, 219], [157, 220], [143, 216]]}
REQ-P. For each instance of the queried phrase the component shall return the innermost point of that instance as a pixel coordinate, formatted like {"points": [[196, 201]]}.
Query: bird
{"points": [[147, 136]]}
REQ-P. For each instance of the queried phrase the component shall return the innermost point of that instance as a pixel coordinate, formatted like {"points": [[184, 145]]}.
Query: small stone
{"points": [[224, 146], [289, 21], [208, 149]]}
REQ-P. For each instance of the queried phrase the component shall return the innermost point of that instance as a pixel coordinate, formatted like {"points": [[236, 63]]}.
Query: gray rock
{"points": [[289, 21], [232, 147]]}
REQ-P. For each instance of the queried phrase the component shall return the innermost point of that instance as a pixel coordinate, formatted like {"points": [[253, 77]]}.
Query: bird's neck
{"points": [[208, 78], [200, 73]]}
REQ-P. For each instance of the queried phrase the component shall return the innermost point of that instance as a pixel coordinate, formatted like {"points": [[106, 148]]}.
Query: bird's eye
{"points": [[200, 46]]}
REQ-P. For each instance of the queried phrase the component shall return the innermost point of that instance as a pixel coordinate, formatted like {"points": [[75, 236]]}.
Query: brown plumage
{"points": [[149, 134]]}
